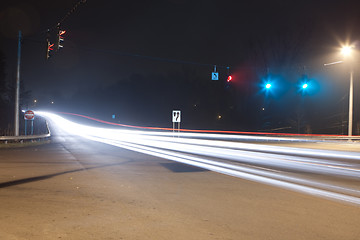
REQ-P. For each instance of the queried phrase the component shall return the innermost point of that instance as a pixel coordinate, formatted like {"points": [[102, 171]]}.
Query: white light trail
{"points": [[243, 160]]}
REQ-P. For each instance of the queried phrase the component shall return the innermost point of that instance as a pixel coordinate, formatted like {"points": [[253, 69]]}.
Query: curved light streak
{"points": [[255, 162]]}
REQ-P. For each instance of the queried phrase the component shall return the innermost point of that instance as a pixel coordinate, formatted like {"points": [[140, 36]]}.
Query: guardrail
{"points": [[341, 138], [316, 137], [26, 137]]}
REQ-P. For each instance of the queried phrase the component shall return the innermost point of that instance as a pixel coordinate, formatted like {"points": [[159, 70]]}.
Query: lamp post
{"points": [[17, 89], [351, 102], [346, 51]]}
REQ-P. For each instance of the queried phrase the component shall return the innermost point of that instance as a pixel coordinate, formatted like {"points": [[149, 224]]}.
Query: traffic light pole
{"points": [[17, 89]]}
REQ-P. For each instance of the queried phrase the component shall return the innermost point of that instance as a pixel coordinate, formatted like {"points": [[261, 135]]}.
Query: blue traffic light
{"points": [[269, 85], [303, 84]]}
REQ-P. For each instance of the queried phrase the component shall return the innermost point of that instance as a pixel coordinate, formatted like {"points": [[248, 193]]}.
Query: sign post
{"points": [[29, 115], [176, 118]]}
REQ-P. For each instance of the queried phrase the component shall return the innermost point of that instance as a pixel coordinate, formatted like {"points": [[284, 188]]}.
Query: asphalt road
{"points": [[76, 188]]}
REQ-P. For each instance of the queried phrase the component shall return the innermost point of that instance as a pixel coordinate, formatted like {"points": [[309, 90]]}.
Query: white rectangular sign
{"points": [[176, 116]]}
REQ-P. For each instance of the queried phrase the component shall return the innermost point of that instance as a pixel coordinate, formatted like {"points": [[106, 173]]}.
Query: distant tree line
{"points": [[147, 100]]}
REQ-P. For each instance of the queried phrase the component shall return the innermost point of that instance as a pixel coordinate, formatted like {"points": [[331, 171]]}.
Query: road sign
{"points": [[215, 76], [29, 115], [176, 116]]}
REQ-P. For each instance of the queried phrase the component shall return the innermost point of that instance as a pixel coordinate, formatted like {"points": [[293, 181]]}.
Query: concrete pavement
{"points": [[78, 189]]}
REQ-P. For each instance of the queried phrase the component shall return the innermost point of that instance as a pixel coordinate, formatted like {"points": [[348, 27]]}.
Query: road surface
{"points": [[78, 188]]}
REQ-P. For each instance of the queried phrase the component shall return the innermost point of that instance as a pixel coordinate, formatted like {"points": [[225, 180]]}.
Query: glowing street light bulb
{"points": [[305, 85], [268, 85], [346, 50]]}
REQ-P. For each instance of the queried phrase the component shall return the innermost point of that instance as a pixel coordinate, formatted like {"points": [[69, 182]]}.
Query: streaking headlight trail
{"points": [[323, 173]]}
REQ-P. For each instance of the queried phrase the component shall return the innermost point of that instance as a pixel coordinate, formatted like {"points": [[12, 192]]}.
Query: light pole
{"points": [[346, 51], [17, 89], [351, 102]]}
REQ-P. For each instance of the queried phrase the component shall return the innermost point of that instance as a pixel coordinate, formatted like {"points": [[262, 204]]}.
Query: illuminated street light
{"points": [[347, 51], [305, 85], [268, 86]]}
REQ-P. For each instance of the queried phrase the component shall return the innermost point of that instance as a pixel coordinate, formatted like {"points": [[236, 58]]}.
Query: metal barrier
{"points": [[27, 137]]}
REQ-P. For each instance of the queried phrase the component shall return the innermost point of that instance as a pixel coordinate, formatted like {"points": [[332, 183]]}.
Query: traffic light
{"points": [[229, 78], [268, 83], [304, 85], [60, 39], [49, 49]]}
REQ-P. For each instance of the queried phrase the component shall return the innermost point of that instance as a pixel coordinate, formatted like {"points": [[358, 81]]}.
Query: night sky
{"points": [[141, 59]]}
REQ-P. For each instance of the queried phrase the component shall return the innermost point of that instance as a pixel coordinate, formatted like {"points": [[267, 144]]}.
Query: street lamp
{"points": [[347, 52]]}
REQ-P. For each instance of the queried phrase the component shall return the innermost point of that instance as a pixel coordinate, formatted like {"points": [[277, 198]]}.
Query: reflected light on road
{"points": [[223, 153]]}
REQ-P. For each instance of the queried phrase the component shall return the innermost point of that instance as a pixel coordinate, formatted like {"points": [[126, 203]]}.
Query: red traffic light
{"points": [[61, 33], [229, 78], [49, 49]]}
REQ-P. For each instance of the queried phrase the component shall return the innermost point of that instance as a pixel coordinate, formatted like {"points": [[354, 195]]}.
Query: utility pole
{"points": [[17, 88], [351, 102]]}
